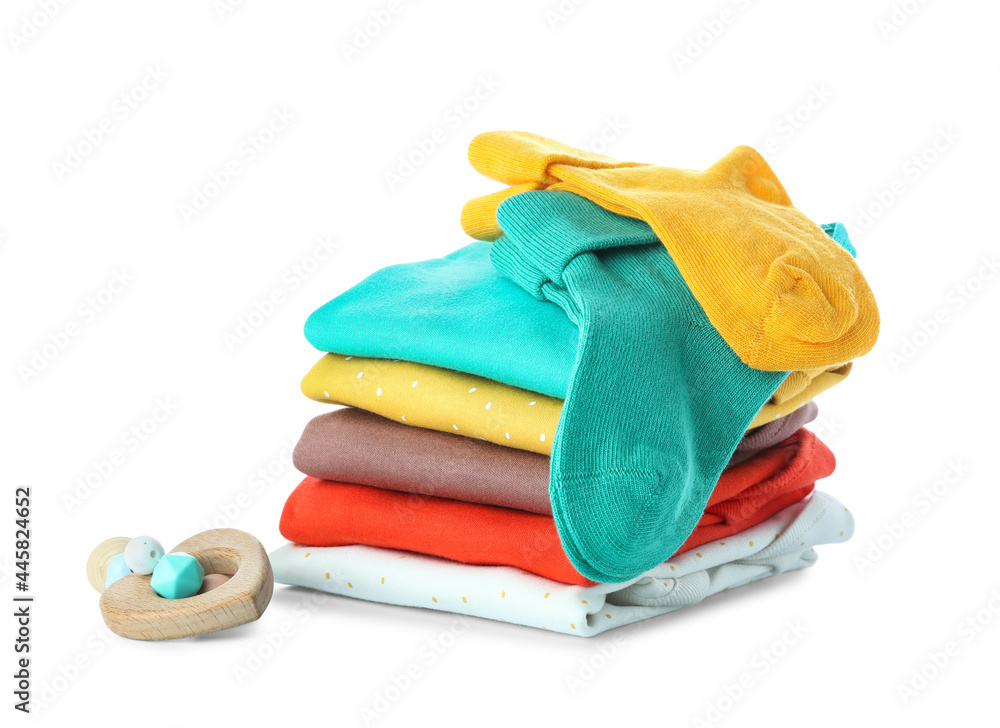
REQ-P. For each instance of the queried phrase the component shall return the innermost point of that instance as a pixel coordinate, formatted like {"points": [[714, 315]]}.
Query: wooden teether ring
{"points": [[97, 564], [132, 609]]}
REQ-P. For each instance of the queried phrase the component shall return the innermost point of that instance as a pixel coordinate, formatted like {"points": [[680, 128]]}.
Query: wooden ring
{"points": [[132, 609], [97, 564]]}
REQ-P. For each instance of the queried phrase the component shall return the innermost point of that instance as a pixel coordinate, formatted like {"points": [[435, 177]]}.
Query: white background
{"points": [[661, 86]]}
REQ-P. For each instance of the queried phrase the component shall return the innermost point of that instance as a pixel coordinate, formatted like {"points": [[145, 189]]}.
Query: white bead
{"points": [[142, 553]]}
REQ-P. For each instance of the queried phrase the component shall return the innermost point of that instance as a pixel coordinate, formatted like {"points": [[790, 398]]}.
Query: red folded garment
{"points": [[324, 513]]}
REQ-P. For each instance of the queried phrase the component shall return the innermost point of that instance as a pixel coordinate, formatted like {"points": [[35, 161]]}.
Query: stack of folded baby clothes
{"points": [[590, 417]]}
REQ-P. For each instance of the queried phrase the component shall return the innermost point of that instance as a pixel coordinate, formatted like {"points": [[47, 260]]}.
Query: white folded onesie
{"points": [[782, 543]]}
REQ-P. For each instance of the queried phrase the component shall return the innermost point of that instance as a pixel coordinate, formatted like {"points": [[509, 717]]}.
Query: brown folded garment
{"points": [[352, 445], [761, 438], [356, 446]]}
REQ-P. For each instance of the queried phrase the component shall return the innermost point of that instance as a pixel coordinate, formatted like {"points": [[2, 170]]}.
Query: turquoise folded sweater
{"points": [[454, 312]]}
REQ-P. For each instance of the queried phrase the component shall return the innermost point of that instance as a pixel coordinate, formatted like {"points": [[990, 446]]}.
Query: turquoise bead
{"points": [[177, 576], [117, 568]]}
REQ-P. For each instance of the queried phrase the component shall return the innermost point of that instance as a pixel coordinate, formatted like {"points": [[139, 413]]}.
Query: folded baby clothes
{"points": [[324, 513], [784, 542], [351, 445], [780, 292], [440, 399], [448, 312], [597, 418]]}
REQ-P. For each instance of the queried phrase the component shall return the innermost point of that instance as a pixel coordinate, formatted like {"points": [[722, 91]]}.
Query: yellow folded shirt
{"points": [[441, 399]]}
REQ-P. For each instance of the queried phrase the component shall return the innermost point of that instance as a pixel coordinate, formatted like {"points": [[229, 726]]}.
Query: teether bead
{"points": [[177, 575], [117, 568], [142, 553], [213, 581]]}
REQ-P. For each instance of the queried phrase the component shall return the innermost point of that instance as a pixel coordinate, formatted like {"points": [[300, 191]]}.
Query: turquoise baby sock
{"points": [[657, 401]]}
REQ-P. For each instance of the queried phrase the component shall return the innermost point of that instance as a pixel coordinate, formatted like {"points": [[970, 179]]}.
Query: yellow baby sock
{"points": [[779, 290]]}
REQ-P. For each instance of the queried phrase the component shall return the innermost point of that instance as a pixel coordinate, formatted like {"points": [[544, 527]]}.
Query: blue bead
{"points": [[177, 576], [116, 570]]}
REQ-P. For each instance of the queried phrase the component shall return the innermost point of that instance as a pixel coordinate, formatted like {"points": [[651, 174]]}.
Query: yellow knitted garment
{"points": [[781, 292]]}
